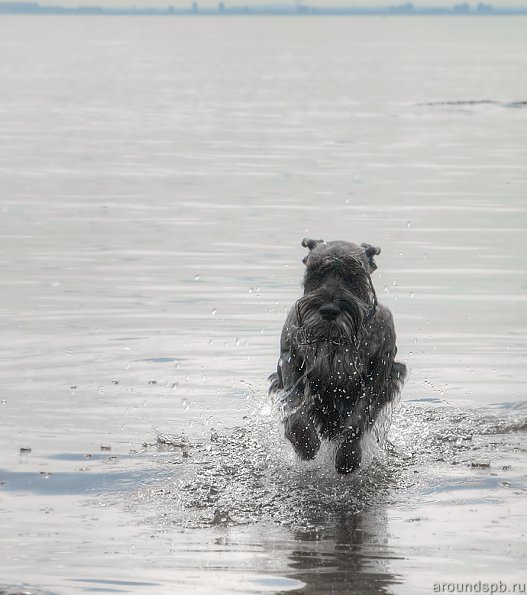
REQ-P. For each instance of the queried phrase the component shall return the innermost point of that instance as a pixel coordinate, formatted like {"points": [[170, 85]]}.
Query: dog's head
{"points": [[338, 291]]}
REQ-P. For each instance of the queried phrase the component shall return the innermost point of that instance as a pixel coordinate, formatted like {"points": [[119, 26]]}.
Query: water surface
{"points": [[157, 177]]}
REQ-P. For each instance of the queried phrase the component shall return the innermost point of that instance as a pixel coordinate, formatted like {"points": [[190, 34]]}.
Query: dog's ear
{"points": [[309, 243], [371, 251]]}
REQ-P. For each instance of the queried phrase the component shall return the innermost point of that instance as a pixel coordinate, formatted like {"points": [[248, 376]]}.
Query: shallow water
{"points": [[157, 176]]}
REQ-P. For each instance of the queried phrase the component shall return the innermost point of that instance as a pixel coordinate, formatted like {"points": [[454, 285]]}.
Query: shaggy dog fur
{"points": [[337, 367]]}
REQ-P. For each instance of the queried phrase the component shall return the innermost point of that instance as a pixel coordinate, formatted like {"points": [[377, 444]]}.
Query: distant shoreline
{"points": [[408, 9]]}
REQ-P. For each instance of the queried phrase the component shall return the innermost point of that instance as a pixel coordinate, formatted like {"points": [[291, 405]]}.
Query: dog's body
{"points": [[337, 367]]}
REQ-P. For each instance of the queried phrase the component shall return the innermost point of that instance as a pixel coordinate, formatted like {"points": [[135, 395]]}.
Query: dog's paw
{"points": [[301, 432], [349, 455]]}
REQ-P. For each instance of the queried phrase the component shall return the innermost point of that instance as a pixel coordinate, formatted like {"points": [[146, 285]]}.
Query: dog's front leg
{"points": [[298, 424], [380, 388]]}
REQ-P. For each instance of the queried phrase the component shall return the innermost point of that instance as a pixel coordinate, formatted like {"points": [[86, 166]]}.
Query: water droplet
{"points": [[197, 277], [186, 404], [152, 382], [412, 295], [408, 224], [214, 311]]}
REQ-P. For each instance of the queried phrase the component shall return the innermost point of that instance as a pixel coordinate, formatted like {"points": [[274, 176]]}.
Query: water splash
{"points": [[250, 474]]}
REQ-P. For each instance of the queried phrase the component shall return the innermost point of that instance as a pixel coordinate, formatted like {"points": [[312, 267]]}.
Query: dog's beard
{"points": [[330, 349], [345, 329]]}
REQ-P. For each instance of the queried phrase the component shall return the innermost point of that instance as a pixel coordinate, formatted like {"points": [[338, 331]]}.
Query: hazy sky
{"points": [[180, 3]]}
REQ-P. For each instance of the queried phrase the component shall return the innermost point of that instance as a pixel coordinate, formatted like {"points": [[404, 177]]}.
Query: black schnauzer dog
{"points": [[337, 367]]}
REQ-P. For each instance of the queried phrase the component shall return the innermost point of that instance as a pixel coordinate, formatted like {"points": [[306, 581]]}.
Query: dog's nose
{"points": [[329, 311]]}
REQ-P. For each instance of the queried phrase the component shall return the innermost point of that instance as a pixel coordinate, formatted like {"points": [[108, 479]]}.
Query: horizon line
{"points": [[297, 8]]}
